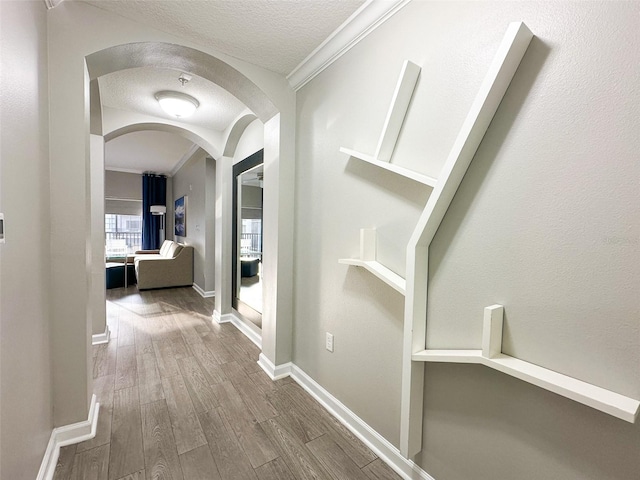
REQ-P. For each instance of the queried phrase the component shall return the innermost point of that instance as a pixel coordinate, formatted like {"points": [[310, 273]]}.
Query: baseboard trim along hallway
{"points": [[387, 452], [68, 435], [391, 455], [245, 327], [275, 373], [100, 338], [203, 293]]}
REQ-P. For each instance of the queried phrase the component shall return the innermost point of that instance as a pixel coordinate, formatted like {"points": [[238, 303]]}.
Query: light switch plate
{"points": [[329, 342]]}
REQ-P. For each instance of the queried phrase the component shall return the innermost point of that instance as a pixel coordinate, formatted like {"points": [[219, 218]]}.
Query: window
{"points": [[251, 238], [123, 234]]}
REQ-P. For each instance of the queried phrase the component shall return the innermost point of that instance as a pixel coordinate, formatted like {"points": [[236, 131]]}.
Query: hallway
{"points": [[182, 398]]}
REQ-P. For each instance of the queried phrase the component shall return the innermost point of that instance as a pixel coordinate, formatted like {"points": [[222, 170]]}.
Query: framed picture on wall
{"points": [[181, 217]]}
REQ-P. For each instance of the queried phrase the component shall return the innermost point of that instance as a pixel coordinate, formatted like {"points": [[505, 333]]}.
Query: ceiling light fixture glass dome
{"points": [[176, 104]]}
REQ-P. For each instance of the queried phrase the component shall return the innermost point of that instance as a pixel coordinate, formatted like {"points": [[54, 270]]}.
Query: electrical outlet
{"points": [[329, 343]]}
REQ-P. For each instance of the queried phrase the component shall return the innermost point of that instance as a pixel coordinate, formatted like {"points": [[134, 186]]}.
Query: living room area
{"points": [[153, 238]]}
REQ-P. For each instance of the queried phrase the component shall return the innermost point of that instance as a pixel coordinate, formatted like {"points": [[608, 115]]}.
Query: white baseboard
{"points": [[221, 318], [203, 293], [251, 331], [388, 453], [275, 373], [100, 338], [68, 435]]}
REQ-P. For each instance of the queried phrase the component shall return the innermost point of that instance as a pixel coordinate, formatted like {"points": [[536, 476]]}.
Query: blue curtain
{"points": [[154, 192]]}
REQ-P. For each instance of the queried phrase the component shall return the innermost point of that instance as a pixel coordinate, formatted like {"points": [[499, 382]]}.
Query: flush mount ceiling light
{"points": [[179, 105]]}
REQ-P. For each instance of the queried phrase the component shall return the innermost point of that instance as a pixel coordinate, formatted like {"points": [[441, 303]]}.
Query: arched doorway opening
{"points": [[185, 59]]}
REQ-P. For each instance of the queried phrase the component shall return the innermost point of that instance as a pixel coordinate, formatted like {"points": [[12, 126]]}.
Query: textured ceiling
{"points": [[145, 151], [135, 89], [274, 34]]}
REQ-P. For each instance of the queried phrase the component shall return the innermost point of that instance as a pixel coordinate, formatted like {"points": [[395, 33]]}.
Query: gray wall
{"points": [[545, 222], [25, 368], [196, 180], [122, 185]]}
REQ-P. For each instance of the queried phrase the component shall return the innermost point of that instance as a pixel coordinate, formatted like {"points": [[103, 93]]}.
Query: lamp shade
{"points": [[158, 209], [177, 104]]}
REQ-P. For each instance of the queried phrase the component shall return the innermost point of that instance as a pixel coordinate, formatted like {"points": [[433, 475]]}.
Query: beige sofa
{"points": [[171, 266]]}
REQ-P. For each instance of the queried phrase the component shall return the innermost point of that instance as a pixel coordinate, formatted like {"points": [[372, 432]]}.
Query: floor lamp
{"points": [[159, 210]]}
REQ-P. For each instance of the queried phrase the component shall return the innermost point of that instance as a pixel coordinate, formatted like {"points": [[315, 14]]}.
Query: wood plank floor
{"points": [[183, 398]]}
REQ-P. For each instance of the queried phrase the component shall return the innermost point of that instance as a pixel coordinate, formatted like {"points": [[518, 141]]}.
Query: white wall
{"points": [[193, 181], [546, 222], [25, 370]]}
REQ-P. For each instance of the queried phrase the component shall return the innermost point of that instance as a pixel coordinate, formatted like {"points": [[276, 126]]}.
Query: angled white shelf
{"points": [[383, 273], [392, 126], [405, 172], [368, 261], [491, 356]]}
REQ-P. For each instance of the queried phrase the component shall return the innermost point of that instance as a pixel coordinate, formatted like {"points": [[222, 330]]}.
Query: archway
{"points": [[189, 60]]}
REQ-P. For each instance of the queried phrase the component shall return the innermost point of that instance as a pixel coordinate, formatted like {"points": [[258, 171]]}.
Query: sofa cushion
{"points": [[165, 247], [173, 250]]}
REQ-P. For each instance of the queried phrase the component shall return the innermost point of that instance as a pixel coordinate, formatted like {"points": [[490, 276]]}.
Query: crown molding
{"points": [[185, 158], [365, 20]]}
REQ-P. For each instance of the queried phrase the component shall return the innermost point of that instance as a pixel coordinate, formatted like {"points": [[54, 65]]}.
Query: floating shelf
{"points": [[392, 126], [405, 172], [383, 273], [599, 398], [368, 261]]}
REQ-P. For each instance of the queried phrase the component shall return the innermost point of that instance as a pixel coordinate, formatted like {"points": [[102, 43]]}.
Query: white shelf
{"points": [[392, 125], [405, 172], [619, 406], [448, 356], [599, 398], [368, 261], [383, 273]]}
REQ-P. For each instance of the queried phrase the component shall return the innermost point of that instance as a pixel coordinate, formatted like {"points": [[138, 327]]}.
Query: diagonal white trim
{"points": [[365, 20], [387, 452], [494, 86], [68, 435]]}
